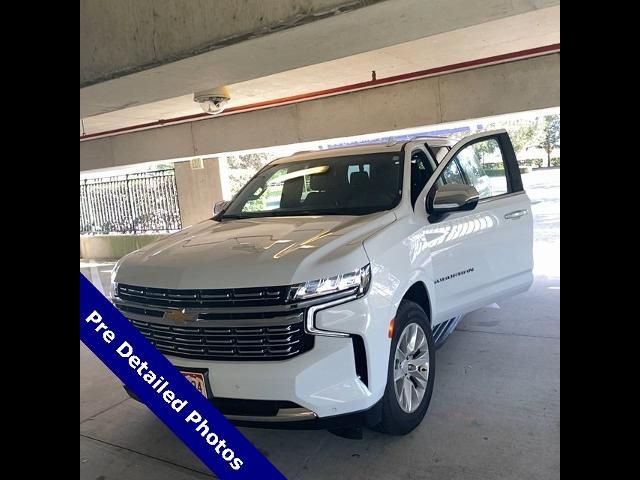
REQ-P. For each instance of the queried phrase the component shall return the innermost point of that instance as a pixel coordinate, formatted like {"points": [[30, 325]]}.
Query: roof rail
{"points": [[426, 137], [303, 151]]}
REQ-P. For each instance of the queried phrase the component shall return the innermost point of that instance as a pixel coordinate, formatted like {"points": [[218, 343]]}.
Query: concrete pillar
{"points": [[198, 189]]}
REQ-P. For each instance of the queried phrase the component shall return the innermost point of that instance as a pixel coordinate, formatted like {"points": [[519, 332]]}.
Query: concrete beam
{"points": [[522, 85], [135, 52]]}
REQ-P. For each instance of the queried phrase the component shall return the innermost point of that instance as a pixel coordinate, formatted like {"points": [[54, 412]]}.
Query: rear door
{"points": [[486, 254]]}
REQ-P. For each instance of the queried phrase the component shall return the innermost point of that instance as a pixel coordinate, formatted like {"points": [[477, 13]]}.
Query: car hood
{"points": [[253, 252]]}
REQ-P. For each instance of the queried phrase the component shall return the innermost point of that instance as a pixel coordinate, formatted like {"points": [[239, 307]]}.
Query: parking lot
{"points": [[494, 412]]}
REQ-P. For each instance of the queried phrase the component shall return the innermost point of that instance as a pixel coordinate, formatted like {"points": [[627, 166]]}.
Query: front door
{"points": [[482, 255]]}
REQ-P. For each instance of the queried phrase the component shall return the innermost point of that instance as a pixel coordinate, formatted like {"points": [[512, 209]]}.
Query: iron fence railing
{"points": [[135, 203]]}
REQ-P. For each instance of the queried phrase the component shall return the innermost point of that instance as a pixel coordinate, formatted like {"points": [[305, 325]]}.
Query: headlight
{"points": [[356, 281]]}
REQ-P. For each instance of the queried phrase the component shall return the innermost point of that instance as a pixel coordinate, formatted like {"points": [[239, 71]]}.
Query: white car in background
{"points": [[318, 296]]}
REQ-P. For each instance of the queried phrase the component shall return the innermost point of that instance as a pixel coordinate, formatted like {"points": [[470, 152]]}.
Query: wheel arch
{"points": [[418, 293]]}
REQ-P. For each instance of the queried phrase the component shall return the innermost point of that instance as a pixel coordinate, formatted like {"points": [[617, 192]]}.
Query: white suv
{"points": [[318, 296]]}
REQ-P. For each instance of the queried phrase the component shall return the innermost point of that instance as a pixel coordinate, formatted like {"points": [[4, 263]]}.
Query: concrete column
{"points": [[198, 189]]}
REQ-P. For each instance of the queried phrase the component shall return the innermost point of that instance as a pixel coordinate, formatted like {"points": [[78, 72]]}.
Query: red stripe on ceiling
{"points": [[506, 57]]}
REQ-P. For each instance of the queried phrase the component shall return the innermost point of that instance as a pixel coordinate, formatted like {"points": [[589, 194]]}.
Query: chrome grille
{"points": [[246, 297], [224, 330], [220, 343]]}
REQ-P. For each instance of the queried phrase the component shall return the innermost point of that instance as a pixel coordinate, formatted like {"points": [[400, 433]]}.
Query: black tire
{"points": [[396, 421]]}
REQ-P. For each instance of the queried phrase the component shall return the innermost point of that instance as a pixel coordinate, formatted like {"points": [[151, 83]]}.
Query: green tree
{"points": [[484, 148], [549, 136], [243, 167], [522, 137]]}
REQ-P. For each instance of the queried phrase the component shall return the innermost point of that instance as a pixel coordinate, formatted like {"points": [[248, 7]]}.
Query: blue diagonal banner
{"points": [[167, 393]]}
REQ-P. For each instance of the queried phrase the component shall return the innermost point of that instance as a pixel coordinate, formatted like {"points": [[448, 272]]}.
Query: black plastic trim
{"points": [[360, 356]]}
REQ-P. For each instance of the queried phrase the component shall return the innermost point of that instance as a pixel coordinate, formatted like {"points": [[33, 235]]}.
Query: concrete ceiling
{"points": [[122, 37], [506, 35], [135, 52]]}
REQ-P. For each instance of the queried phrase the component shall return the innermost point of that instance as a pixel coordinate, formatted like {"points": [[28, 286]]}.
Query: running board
{"points": [[444, 329]]}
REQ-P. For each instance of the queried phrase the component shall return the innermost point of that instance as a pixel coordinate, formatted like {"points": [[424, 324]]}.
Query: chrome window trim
{"points": [[502, 195]]}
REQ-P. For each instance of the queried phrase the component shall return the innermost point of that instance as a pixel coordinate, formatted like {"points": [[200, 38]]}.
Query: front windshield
{"points": [[347, 185]]}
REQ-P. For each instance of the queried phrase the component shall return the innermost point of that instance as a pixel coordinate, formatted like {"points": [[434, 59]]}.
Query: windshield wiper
{"points": [[293, 213]]}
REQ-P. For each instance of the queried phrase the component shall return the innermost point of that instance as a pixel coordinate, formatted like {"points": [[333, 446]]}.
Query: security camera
{"points": [[212, 101]]}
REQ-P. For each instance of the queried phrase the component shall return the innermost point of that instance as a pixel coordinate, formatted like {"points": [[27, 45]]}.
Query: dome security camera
{"points": [[212, 101]]}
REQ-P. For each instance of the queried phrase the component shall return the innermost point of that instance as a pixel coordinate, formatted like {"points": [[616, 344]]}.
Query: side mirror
{"points": [[220, 206], [454, 197]]}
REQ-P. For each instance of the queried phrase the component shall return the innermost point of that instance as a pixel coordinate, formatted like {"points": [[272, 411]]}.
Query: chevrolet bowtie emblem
{"points": [[179, 316]]}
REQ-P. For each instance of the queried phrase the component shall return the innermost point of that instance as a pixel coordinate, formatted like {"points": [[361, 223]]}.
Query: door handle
{"points": [[515, 214]]}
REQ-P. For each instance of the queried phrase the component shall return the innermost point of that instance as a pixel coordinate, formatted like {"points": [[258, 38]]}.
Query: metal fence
{"points": [[136, 203]]}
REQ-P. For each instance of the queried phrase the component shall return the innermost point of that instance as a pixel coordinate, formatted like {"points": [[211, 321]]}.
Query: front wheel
{"points": [[411, 371]]}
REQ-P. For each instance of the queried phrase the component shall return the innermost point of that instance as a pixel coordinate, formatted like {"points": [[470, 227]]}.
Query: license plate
{"points": [[197, 380]]}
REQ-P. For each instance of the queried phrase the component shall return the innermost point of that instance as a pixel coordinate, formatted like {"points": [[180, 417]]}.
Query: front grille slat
{"points": [[235, 345], [215, 296], [206, 298], [282, 336]]}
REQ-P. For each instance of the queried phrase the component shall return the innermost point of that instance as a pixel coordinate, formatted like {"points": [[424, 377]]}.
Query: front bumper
{"points": [[291, 418], [339, 381], [323, 380]]}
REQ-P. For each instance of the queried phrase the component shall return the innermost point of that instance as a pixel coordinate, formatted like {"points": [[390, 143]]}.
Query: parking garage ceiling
{"points": [[284, 64]]}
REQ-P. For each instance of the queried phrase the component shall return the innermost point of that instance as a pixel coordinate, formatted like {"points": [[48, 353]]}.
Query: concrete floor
{"points": [[495, 411]]}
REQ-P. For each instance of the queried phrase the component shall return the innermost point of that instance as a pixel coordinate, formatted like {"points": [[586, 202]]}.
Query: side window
{"points": [[483, 166], [421, 170], [451, 174]]}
